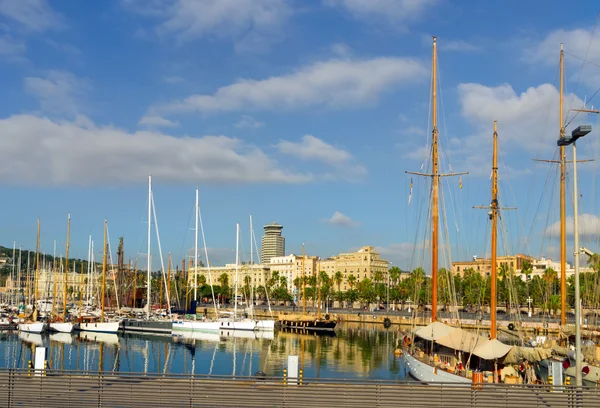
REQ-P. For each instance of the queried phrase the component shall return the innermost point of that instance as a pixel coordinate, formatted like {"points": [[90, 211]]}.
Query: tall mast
{"points": [[53, 279], [169, 277], [563, 201], [237, 262], [148, 272], [66, 275], [37, 261], [494, 218], [303, 284], [251, 268], [435, 178], [196, 254], [103, 274]]}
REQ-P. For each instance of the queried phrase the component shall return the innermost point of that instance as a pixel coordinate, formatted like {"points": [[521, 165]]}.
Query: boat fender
{"points": [[545, 325], [511, 326], [327, 317], [387, 322]]}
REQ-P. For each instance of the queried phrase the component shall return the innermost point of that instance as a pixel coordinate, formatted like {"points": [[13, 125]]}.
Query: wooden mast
{"points": [[563, 201], [37, 263], [494, 219], [103, 275], [434, 186], [66, 274], [169, 277], [318, 289], [303, 284]]}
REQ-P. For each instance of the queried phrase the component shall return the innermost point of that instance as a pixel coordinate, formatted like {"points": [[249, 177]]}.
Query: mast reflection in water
{"points": [[354, 351]]}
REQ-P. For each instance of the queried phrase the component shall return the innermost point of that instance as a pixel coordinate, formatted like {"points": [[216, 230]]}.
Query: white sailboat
{"points": [[35, 326], [63, 326], [100, 326], [204, 325], [267, 324], [150, 324]]}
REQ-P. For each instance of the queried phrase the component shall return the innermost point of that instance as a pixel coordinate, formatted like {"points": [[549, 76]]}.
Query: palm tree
{"points": [[338, 278], [224, 282], [351, 279], [394, 274], [201, 280]]}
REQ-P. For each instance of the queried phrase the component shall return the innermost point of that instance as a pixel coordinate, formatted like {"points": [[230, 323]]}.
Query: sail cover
{"points": [[434, 331], [531, 354], [492, 350], [462, 340]]}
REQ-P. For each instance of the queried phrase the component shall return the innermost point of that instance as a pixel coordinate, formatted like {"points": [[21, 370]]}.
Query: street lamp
{"points": [[529, 300], [565, 141]]}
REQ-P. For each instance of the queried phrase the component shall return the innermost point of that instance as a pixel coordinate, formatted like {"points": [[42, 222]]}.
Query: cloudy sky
{"points": [[307, 113]]}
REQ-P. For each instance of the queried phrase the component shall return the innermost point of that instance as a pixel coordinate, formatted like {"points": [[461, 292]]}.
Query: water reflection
{"points": [[355, 351]]}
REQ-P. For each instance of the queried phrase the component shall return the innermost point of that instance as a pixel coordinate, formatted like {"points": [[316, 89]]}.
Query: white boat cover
{"points": [[462, 340], [492, 349], [433, 331]]}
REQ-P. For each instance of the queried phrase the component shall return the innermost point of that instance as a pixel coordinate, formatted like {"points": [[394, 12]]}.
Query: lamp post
{"points": [[387, 305], [565, 141], [529, 300]]}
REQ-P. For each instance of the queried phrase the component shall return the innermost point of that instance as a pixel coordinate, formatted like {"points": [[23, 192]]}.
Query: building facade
{"points": [[273, 243], [290, 266], [364, 263], [483, 266]]}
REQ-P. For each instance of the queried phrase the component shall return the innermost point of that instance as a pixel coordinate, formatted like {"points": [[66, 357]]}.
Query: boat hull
{"points": [[309, 325], [36, 327], [147, 326], [101, 327], [195, 326], [268, 325], [245, 324], [423, 372], [61, 327]]}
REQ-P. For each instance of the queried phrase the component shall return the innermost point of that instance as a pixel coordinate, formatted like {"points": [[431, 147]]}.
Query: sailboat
{"points": [[149, 324], [442, 353], [32, 325], [204, 325], [306, 322], [62, 325], [90, 323]]}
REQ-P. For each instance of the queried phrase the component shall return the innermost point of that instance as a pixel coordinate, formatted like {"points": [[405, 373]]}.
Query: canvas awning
{"points": [[433, 331], [462, 340], [531, 354], [492, 349]]}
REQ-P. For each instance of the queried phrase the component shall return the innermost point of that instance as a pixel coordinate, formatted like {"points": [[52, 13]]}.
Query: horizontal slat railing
{"points": [[21, 388]]}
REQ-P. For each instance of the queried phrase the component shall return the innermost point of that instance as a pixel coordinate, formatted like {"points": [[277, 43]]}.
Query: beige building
{"points": [[290, 266], [257, 272], [363, 263], [484, 266]]}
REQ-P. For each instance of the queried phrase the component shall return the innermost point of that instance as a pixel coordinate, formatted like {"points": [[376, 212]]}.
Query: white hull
{"points": [[195, 326], [244, 324], [37, 327], [426, 373], [106, 327], [61, 327], [265, 325], [591, 379]]}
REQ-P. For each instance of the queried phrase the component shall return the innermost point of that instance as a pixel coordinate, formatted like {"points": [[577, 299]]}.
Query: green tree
{"points": [[224, 283], [351, 279]]}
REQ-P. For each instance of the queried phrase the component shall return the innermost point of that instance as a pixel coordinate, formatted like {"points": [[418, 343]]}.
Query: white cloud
{"points": [[40, 151], [33, 15], [393, 11], [248, 122], [578, 43], [156, 121], [66, 48], [342, 220], [314, 148], [59, 92], [527, 120], [329, 83], [252, 24], [589, 226]]}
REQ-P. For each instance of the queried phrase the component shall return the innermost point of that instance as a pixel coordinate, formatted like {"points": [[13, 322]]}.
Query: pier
{"points": [[50, 389]]}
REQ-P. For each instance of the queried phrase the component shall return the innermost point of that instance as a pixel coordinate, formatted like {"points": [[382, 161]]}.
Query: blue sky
{"points": [[304, 112]]}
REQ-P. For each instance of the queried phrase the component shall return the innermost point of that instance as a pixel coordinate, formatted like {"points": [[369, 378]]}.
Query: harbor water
{"points": [[356, 351]]}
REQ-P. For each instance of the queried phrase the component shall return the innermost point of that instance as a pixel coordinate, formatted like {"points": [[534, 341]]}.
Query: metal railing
{"points": [[25, 388]]}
